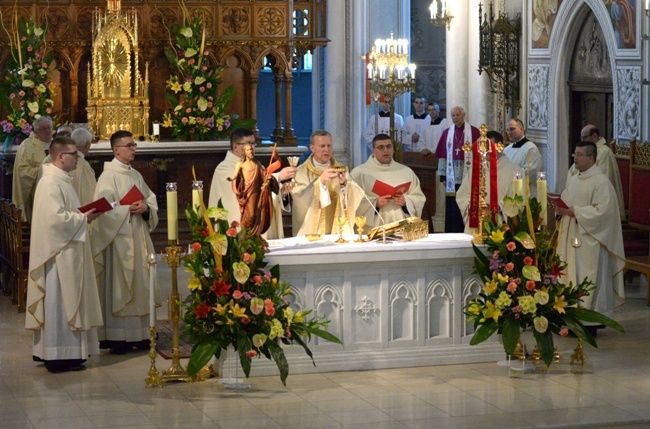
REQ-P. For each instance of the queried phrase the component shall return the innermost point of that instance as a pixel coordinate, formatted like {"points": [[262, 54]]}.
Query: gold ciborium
{"points": [[360, 222], [341, 221]]}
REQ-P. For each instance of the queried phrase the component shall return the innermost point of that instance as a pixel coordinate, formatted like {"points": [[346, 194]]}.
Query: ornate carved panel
{"points": [[538, 90], [628, 103], [236, 21], [272, 21]]}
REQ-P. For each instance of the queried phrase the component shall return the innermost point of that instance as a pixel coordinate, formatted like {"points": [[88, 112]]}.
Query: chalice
{"points": [[360, 222], [293, 162], [341, 221]]}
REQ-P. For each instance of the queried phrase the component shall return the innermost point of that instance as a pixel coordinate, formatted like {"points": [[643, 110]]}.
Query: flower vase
{"points": [[231, 379], [523, 352]]}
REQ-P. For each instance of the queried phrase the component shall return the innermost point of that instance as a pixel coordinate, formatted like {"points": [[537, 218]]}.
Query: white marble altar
{"points": [[393, 305]]}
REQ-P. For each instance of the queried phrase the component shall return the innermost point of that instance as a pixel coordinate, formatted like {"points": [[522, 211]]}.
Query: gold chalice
{"points": [[293, 162], [360, 222], [341, 221]]}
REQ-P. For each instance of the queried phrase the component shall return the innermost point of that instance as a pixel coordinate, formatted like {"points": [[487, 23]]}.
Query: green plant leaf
{"points": [[579, 330], [325, 335], [280, 360], [510, 333], [483, 333], [587, 315], [525, 240], [201, 355], [545, 346], [531, 272]]}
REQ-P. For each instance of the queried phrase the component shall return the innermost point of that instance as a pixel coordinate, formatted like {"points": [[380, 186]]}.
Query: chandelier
{"points": [[390, 75], [499, 53], [440, 16]]}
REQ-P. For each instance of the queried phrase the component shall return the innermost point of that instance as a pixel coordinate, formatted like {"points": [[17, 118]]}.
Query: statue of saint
{"points": [[254, 186]]}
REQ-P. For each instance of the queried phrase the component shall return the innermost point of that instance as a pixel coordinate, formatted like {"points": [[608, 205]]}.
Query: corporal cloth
{"points": [[121, 244], [394, 174], [606, 161], [63, 306], [29, 157], [221, 189], [600, 258], [315, 206]]}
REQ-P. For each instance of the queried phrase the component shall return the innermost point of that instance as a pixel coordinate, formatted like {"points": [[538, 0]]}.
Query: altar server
{"points": [[524, 153], [322, 192], [63, 307], [381, 167], [121, 244]]}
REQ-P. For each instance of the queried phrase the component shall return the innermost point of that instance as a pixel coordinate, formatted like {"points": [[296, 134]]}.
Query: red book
{"points": [[558, 202], [132, 196], [101, 206], [382, 188]]}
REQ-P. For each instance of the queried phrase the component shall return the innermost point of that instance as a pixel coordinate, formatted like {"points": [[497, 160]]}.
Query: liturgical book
{"points": [[382, 188], [134, 195], [101, 206]]}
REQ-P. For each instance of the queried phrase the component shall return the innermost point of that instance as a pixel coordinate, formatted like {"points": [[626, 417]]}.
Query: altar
{"points": [[393, 305]]}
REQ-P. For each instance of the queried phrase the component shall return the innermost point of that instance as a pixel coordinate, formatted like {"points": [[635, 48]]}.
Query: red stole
{"points": [[475, 197]]}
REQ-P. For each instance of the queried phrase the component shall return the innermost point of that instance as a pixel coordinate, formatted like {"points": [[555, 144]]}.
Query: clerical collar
{"points": [[121, 164], [422, 116], [436, 121], [383, 114], [520, 143], [374, 158], [319, 165]]}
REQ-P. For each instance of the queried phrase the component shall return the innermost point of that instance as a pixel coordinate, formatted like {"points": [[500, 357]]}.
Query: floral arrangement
{"points": [[26, 91], [236, 301], [198, 111], [522, 285]]}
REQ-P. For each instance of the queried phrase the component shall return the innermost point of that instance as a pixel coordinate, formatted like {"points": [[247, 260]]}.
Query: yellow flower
{"points": [[167, 123], [560, 303], [490, 287], [492, 311], [238, 312], [187, 86], [299, 317], [502, 279], [220, 309], [176, 87], [194, 284], [497, 236], [474, 309]]}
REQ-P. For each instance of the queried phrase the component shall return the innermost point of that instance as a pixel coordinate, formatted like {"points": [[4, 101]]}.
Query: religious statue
{"points": [[253, 185]]}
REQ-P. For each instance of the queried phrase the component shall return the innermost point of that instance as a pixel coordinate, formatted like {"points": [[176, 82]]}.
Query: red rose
{"points": [[196, 246], [530, 285], [528, 260], [232, 232]]}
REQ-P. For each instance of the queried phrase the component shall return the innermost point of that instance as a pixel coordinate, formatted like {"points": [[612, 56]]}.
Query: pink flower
{"points": [[234, 224], [48, 110], [196, 247], [30, 49], [248, 258], [269, 309], [219, 270], [237, 294], [251, 353], [188, 110], [530, 285], [511, 246], [528, 260], [231, 232], [564, 332], [202, 89], [257, 280], [512, 286], [495, 254], [510, 266], [518, 281], [209, 85], [184, 120]]}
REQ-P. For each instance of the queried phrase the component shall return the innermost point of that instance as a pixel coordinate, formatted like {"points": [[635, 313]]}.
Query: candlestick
{"points": [[152, 289], [172, 212], [541, 195], [197, 195], [517, 184]]}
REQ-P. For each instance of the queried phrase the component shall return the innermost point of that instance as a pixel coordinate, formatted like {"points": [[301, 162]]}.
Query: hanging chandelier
{"points": [[440, 15]]}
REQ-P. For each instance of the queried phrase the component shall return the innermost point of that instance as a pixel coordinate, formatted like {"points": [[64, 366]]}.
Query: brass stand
{"points": [[578, 354], [153, 376]]}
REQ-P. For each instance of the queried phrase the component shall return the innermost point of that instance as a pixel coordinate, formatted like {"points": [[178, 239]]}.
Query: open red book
{"points": [[382, 188], [557, 201], [101, 206], [132, 196]]}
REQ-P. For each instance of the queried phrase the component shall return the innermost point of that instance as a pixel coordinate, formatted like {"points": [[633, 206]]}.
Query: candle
{"points": [[197, 195], [152, 289], [541, 194], [156, 129], [172, 212], [517, 184]]}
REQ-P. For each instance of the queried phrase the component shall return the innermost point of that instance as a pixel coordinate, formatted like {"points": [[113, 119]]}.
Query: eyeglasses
{"points": [[383, 148], [75, 153], [128, 146], [578, 155]]}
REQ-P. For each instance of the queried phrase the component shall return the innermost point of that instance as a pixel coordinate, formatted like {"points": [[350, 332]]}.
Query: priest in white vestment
{"points": [[323, 191], [63, 307], [387, 207], [379, 123], [524, 153], [121, 246], [433, 131], [606, 161], [592, 217], [505, 173], [221, 188], [29, 157]]}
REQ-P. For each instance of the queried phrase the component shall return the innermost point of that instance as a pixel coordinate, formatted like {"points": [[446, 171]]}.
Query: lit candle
{"points": [[517, 184], [152, 289], [541, 194], [172, 212], [156, 129], [197, 195]]}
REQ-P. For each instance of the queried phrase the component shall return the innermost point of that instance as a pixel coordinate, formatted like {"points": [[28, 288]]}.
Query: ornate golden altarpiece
{"points": [[118, 96]]}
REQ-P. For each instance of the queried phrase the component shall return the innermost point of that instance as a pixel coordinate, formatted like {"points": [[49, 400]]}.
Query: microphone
{"points": [[381, 218]]}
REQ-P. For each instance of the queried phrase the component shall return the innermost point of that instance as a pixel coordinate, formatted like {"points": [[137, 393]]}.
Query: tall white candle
{"points": [[156, 129], [152, 289], [541, 195], [172, 212], [517, 186], [197, 195]]}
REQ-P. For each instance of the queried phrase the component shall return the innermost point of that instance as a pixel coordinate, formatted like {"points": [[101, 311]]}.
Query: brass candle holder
{"points": [[153, 376]]}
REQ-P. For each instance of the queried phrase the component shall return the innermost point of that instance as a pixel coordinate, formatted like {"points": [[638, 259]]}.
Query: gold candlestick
{"points": [[153, 376]]}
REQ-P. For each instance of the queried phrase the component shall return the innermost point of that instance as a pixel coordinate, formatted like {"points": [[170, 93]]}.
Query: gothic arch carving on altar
{"points": [[440, 301]]}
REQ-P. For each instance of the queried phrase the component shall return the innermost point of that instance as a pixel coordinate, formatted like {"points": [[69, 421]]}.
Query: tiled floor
{"points": [[611, 391]]}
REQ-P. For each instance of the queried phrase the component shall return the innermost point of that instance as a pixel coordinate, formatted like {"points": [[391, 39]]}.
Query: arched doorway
{"points": [[591, 91]]}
